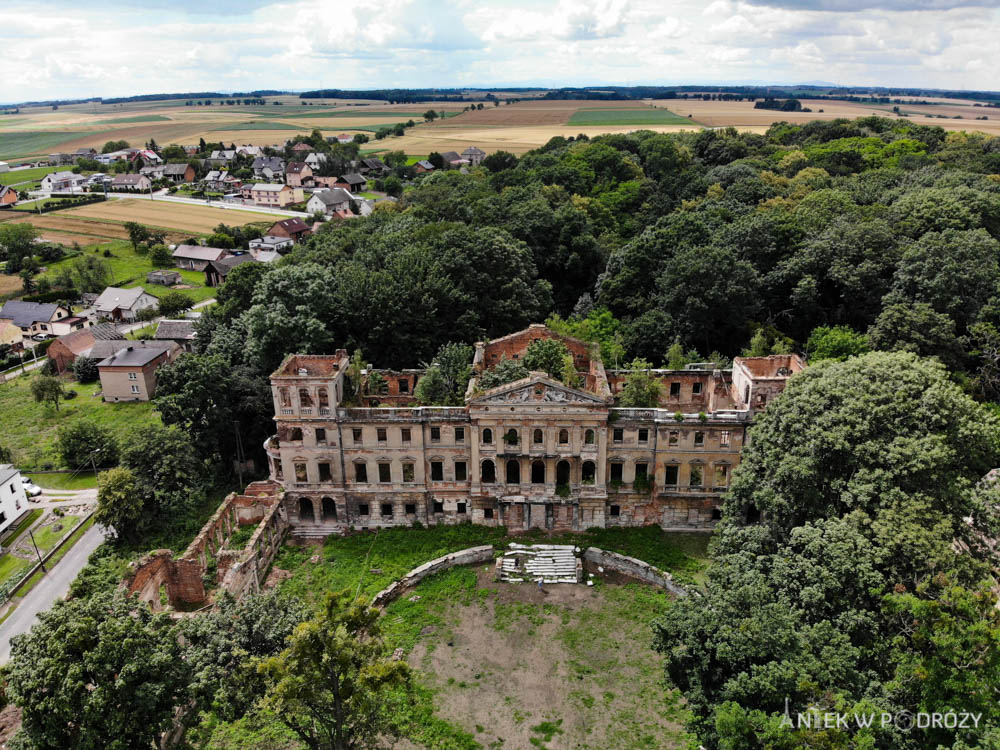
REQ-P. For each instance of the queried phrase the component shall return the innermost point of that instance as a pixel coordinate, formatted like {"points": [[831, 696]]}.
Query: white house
{"points": [[12, 497], [329, 201], [61, 182], [123, 304]]}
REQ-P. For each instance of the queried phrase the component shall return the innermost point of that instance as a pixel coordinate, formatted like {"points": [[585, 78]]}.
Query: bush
{"points": [[69, 395], [83, 443], [85, 369]]}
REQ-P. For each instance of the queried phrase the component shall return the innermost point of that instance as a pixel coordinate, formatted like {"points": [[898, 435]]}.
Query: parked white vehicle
{"points": [[30, 488]]}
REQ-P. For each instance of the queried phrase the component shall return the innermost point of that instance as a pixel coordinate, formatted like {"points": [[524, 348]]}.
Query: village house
{"points": [[217, 179], [217, 270], [301, 148], [66, 349], [179, 173], [181, 332], [297, 174], [374, 166], [58, 160], [533, 453], [63, 182], [164, 277], [33, 318], [423, 166], [352, 183], [268, 167], [474, 155], [123, 304], [11, 335], [248, 150], [315, 159], [131, 182], [13, 500], [130, 373], [295, 229], [270, 243], [8, 196], [275, 195], [154, 172], [329, 201], [196, 257], [452, 160]]}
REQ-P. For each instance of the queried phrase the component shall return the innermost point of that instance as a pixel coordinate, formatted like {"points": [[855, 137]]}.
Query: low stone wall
{"points": [[629, 566], [468, 556], [237, 571]]}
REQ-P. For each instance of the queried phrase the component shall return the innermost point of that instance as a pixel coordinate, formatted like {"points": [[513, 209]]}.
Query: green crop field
{"points": [[29, 429], [628, 117], [26, 175], [21, 143], [260, 125], [137, 118]]}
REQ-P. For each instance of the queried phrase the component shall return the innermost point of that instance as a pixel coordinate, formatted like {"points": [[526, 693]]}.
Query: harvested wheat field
{"points": [[182, 217]]}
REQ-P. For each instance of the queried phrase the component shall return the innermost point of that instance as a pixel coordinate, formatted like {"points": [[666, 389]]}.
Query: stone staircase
{"points": [[548, 563], [315, 531]]}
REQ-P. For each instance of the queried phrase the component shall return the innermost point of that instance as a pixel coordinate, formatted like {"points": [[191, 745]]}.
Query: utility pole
{"points": [[37, 554]]}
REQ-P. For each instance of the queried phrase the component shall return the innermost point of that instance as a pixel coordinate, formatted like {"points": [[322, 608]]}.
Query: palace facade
{"points": [[533, 453]]}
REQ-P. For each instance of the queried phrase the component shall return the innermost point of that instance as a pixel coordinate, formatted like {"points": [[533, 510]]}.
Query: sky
{"points": [[73, 49]]}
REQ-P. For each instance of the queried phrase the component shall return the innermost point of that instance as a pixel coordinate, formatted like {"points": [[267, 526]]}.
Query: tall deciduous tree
{"points": [[334, 685], [48, 388]]}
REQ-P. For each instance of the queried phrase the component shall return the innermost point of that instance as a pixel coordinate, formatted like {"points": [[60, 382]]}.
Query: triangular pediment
{"points": [[536, 389]]}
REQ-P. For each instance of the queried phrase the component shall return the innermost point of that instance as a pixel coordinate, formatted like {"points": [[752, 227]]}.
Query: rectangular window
{"points": [[320, 435], [488, 513], [640, 470], [670, 475], [381, 434], [384, 472], [362, 509], [437, 471], [675, 390], [135, 389], [695, 476], [699, 439], [356, 435], [616, 472], [724, 439], [618, 435], [361, 473], [459, 434], [411, 509], [615, 510], [675, 438], [438, 506], [461, 473], [386, 510], [404, 434], [133, 376], [696, 389], [404, 385], [407, 472], [643, 436], [324, 472], [461, 509], [722, 476], [435, 434], [300, 472]]}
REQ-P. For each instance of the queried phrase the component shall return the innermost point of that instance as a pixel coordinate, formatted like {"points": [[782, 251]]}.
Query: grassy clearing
{"points": [[85, 480], [29, 429], [394, 552], [11, 567], [23, 143], [26, 175], [627, 117], [48, 536]]}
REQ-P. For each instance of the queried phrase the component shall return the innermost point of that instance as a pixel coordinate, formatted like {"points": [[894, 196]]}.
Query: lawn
{"points": [[12, 567], [26, 175], [645, 116], [29, 429], [24, 142], [84, 480], [129, 270], [48, 536]]}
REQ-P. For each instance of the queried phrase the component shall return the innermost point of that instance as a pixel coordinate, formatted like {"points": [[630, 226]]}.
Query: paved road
{"points": [[53, 586]]}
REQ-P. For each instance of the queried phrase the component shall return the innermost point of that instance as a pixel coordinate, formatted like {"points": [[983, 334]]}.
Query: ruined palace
{"points": [[533, 453]]}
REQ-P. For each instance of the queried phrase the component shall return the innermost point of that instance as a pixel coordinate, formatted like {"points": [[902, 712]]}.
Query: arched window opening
{"points": [[538, 472], [589, 472], [489, 472], [513, 472], [304, 398], [589, 437], [296, 434], [329, 509], [536, 437], [306, 512], [563, 437], [562, 473], [487, 436]]}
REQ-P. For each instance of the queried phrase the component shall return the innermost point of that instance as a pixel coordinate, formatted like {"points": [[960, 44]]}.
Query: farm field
{"points": [[647, 116], [22, 143], [181, 217], [29, 429], [26, 175]]}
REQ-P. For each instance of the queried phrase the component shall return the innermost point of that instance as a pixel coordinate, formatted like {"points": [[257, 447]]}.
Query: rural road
{"points": [[53, 586]]}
